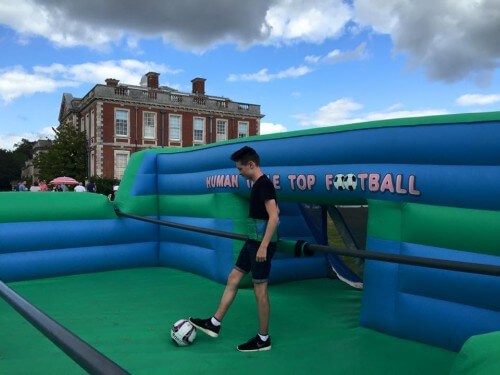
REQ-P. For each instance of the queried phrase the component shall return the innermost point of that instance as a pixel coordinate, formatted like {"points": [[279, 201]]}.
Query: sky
{"points": [[308, 63]]}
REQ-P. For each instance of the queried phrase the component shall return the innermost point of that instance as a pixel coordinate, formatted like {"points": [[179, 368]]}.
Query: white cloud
{"points": [[312, 59], [8, 140], [16, 81], [478, 99], [450, 39], [127, 71], [53, 24], [337, 56], [346, 111], [99, 24], [263, 75], [393, 107], [333, 113], [310, 21], [270, 128], [375, 116]]}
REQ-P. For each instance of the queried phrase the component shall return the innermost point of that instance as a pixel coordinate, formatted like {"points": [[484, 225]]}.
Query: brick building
{"points": [[121, 119]]}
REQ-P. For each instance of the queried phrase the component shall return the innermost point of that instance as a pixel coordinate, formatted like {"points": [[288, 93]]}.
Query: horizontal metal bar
{"points": [[212, 232], [78, 350], [450, 265]]}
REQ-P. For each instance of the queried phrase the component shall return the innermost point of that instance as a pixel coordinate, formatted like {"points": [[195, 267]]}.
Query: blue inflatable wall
{"points": [[431, 185]]}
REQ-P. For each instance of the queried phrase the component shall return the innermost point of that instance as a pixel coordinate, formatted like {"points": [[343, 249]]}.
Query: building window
{"points": [[87, 125], [92, 124], [121, 123], [174, 127], [121, 161], [242, 129], [92, 163], [221, 130], [149, 121], [199, 130]]}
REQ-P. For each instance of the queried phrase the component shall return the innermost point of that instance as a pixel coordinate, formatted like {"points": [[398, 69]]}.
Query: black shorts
{"points": [[247, 261]]}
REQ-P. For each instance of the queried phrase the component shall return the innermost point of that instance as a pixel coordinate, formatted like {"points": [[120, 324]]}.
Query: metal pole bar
{"points": [[212, 232], [78, 350], [450, 265]]}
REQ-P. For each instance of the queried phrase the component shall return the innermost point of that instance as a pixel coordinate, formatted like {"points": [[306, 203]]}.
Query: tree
{"points": [[12, 163], [24, 149], [66, 157], [10, 169]]}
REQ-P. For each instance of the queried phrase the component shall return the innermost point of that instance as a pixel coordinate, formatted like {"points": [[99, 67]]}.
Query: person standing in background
{"points": [[35, 187], [91, 187], [80, 188]]}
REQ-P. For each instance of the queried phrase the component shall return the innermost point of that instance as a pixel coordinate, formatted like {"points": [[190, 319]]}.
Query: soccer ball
{"points": [[183, 333], [338, 182], [350, 181]]}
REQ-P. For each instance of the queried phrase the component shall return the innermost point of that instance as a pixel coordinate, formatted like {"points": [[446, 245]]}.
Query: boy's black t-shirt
{"points": [[262, 190]]}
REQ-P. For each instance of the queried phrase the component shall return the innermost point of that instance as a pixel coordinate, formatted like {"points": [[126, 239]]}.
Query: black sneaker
{"points": [[206, 326], [255, 345]]}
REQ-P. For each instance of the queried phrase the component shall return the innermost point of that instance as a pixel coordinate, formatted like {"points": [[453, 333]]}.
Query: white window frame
{"points": [[87, 125], [242, 134], [203, 126], [127, 111], [92, 163], [92, 124], [170, 137], [119, 170], [220, 136], [145, 126]]}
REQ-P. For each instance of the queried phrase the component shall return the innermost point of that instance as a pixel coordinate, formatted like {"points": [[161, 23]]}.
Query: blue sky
{"points": [[307, 63]]}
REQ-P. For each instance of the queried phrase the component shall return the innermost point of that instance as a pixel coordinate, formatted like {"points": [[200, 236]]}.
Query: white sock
{"points": [[214, 321], [263, 337]]}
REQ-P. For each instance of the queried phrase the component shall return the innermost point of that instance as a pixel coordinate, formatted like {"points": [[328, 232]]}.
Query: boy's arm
{"points": [[272, 224]]}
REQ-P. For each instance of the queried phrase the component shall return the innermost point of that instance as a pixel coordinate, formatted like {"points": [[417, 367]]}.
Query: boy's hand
{"points": [[261, 254]]}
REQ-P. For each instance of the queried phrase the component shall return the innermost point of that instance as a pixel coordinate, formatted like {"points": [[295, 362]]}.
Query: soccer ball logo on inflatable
{"points": [[338, 182], [350, 182], [345, 182], [183, 332]]}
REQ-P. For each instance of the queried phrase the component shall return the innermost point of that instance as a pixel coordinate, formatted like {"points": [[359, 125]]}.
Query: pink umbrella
{"points": [[64, 180]]}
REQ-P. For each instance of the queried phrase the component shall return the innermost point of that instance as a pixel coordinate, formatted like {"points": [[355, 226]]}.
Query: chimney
{"points": [[112, 82], [198, 86], [152, 80]]}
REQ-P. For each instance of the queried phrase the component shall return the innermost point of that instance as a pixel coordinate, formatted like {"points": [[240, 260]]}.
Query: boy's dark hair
{"points": [[245, 155]]}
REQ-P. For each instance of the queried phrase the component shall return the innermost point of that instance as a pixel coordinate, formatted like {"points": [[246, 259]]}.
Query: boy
{"points": [[256, 254]]}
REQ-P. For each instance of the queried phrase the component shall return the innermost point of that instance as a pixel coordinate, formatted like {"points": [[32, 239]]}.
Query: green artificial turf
{"points": [[127, 315]]}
